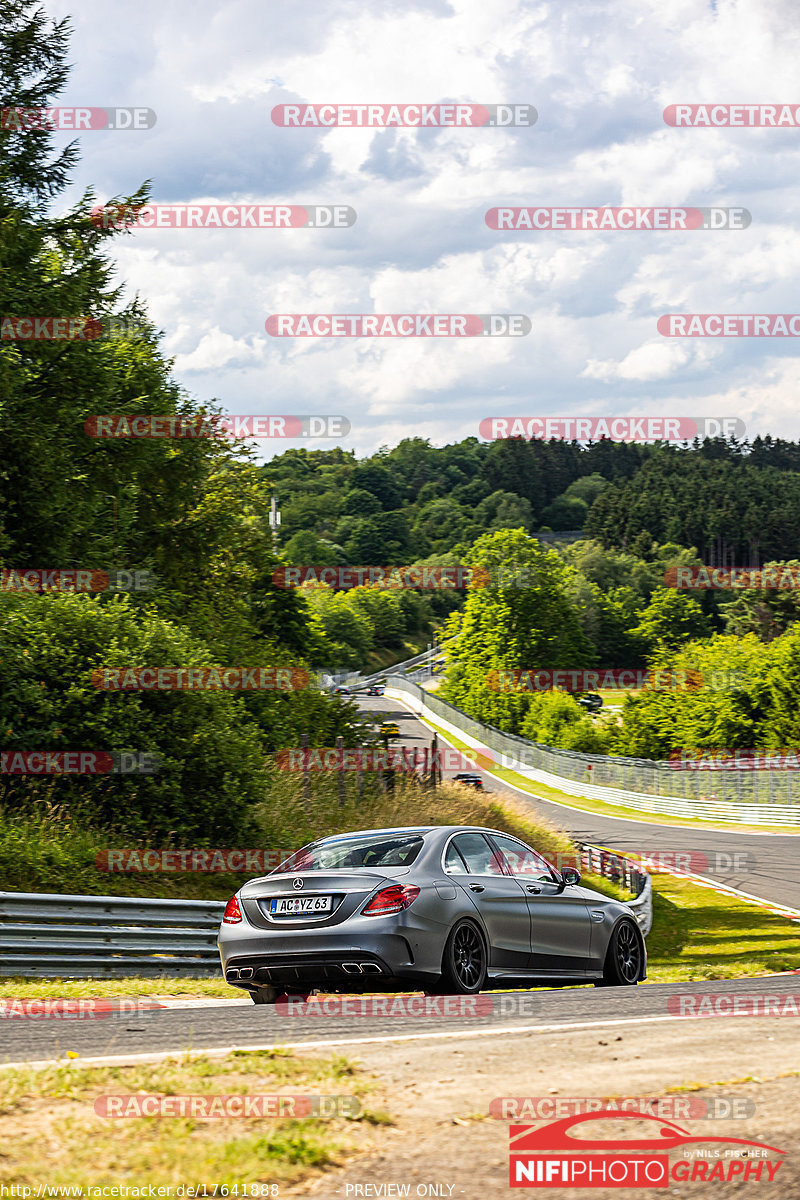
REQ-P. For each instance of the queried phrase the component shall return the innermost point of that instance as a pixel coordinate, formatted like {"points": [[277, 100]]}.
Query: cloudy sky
{"points": [[599, 76]]}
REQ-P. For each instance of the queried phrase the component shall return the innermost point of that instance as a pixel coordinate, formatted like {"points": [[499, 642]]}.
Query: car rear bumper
{"points": [[320, 960], [337, 970]]}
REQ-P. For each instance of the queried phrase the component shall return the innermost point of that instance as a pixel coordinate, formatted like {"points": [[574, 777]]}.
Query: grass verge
{"points": [[49, 1129], [700, 934]]}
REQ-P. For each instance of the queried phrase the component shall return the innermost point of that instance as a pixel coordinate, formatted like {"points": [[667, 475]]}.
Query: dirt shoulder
{"points": [[440, 1092]]}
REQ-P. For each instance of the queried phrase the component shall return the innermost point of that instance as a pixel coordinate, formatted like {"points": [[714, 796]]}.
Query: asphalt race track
{"points": [[772, 860], [241, 1025]]}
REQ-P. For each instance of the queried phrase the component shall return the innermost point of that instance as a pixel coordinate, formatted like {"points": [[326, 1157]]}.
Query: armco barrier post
{"points": [[340, 771], [306, 776]]}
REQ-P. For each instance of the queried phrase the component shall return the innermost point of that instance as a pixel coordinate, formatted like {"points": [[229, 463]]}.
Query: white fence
{"points": [[751, 797]]}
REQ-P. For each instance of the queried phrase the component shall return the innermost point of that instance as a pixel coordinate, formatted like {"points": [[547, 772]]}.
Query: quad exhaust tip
{"points": [[349, 968], [237, 973]]}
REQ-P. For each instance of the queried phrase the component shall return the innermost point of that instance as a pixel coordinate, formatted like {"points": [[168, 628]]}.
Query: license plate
{"points": [[300, 906]]}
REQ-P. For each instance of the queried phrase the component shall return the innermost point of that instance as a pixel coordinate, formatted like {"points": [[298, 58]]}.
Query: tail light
{"points": [[391, 900], [232, 914]]}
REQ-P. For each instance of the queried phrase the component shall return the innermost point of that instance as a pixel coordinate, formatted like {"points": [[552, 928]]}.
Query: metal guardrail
{"points": [[598, 860], [96, 936], [753, 797], [419, 660]]}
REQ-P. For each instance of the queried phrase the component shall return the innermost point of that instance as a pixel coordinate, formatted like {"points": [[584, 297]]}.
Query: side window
{"points": [[479, 856], [520, 860], [453, 862]]}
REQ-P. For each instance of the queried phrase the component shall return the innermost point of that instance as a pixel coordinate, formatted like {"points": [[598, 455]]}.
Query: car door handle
{"points": [[476, 887], [532, 887]]}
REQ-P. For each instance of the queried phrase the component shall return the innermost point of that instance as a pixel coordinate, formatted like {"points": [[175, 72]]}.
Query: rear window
{"points": [[355, 853]]}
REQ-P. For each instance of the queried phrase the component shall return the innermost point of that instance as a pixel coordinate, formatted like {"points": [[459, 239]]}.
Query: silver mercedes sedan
{"points": [[444, 908]]}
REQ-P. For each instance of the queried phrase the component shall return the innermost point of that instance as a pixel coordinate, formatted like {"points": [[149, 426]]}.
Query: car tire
{"points": [[623, 964], [265, 995], [464, 962]]}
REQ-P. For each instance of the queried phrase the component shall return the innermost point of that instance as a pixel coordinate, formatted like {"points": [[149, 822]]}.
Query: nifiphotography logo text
{"points": [[553, 1155]]}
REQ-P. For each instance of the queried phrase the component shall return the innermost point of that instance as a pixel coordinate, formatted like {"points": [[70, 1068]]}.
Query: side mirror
{"points": [[570, 876]]}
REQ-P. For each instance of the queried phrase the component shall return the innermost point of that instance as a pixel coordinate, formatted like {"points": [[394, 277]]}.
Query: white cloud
{"points": [[654, 360], [600, 75]]}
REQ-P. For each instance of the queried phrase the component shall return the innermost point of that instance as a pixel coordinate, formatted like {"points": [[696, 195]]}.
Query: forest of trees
{"points": [[735, 503]]}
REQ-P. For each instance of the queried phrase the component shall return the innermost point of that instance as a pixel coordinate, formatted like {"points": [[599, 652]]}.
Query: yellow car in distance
{"points": [[389, 729]]}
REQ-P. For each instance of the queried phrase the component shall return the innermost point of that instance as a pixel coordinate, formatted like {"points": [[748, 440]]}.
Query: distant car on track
{"points": [[469, 780], [342, 691], [447, 908], [389, 729], [375, 690], [591, 702]]}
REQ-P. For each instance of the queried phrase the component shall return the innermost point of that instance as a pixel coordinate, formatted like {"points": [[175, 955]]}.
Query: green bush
{"points": [[556, 719], [212, 755]]}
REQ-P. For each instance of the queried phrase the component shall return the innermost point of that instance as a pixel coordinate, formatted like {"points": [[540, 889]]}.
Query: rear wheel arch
{"points": [[451, 978], [476, 921]]}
